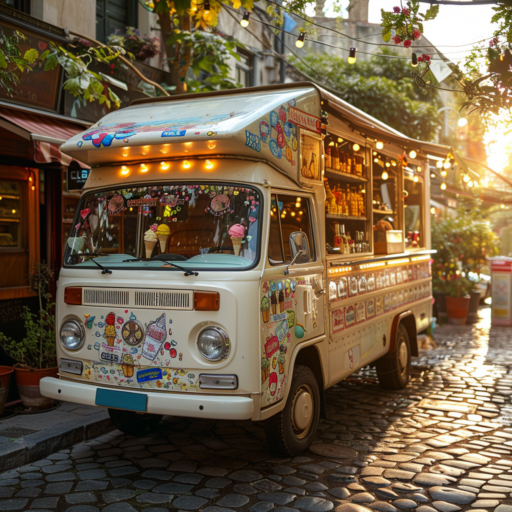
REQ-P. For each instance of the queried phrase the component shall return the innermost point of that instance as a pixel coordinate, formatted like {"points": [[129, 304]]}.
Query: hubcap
{"points": [[403, 356], [302, 411]]}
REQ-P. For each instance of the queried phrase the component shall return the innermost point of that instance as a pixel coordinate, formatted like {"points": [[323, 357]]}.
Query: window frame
{"points": [[423, 208], [311, 242]]}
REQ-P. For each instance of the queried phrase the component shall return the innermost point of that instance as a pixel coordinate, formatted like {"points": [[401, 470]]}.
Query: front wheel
{"points": [[292, 430], [134, 423], [394, 369]]}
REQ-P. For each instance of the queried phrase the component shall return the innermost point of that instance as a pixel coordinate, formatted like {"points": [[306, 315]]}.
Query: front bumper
{"points": [[188, 405]]}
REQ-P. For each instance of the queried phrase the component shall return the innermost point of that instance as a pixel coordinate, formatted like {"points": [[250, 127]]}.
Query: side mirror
{"points": [[299, 248]]}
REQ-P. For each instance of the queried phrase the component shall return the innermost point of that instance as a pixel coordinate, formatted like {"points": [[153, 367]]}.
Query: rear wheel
{"points": [[394, 369], [292, 430], [134, 423]]}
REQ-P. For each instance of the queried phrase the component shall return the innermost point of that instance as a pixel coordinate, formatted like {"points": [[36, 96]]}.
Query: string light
{"points": [[164, 166], [415, 179], [412, 154], [125, 171], [470, 183], [352, 55], [186, 164], [502, 205], [443, 186], [245, 20], [439, 164], [414, 60], [143, 168], [447, 164], [462, 122], [208, 164], [433, 210], [466, 178], [388, 164], [385, 175], [300, 40], [379, 145], [356, 147], [444, 173], [419, 169]]}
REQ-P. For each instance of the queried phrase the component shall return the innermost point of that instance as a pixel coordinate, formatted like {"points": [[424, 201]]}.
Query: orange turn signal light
{"points": [[206, 301], [73, 295]]}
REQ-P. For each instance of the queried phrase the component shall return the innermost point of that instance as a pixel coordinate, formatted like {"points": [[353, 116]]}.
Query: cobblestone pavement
{"points": [[445, 444]]}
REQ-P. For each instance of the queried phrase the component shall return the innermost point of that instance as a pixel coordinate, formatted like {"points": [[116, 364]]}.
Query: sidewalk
{"points": [[26, 438]]}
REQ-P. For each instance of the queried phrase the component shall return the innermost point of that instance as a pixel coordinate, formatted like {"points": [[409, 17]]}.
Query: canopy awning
{"points": [[46, 133]]}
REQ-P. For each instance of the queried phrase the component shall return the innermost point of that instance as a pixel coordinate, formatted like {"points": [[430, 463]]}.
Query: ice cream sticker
{"points": [[236, 233]]}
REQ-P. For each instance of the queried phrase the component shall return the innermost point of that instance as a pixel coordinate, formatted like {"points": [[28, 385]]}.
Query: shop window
{"points": [[413, 214], [11, 215], [112, 15], [289, 214], [244, 69], [19, 5]]}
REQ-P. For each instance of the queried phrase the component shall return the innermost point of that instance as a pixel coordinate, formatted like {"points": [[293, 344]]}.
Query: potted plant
{"points": [[137, 47], [35, 353], [458, 288]]}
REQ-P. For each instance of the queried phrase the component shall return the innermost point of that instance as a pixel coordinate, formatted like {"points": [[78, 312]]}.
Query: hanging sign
{"points": [[304, 120]]}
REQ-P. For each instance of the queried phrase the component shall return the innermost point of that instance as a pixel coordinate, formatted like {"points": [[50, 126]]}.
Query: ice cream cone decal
{"points": [[128, 365], [237, 232], [163, 231], [110, 329], [150, 240], [265, 309]]}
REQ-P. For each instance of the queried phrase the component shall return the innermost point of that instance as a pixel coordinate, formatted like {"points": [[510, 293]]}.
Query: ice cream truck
{"points": [[236, 253]]}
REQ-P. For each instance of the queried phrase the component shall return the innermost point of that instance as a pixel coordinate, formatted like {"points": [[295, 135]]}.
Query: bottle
{"points": [[333, 208], [328, 195], [342, 161], [349, 165], [346, 246], [337, 236], [335, 159], [328, 157]]}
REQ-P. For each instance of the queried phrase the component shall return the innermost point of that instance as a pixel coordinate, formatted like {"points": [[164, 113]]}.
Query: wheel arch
{"points": [[408, 320]]}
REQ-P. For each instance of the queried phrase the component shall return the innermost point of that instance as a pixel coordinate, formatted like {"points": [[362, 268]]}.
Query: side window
{"points": [[289, 214]]}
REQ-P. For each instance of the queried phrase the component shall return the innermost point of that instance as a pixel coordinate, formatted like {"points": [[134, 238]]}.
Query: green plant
{"points": [[136, 46], [458, 286], [37, 348]]}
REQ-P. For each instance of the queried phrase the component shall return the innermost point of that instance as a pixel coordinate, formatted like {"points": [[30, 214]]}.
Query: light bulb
{"points": [[376, 160], [379, 145], [208, 164], [300, 40], [470, 183], [385, 175], [414, 60], [447, 165], [462, 122], [393, 163], [419, 169], [352, 56], [340, 140], [186, 164], [375, 153], [245, 20], [433, 210], [415, 179], [388, 164], [466, 178], [356, 147], [143, 168], [412, 154], [164, 166], [443, 186], [443, 173], [125, 171], [439, 164], [502, 205]]}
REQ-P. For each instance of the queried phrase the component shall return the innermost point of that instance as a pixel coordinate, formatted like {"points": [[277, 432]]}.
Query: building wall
{"points": [[76, 15]]}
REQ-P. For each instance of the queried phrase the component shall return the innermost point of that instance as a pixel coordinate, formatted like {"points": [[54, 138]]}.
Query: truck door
{"points": [[292, 298]]}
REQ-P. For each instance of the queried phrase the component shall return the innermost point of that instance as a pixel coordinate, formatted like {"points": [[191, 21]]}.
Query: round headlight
{"points": [[213, 344], [72, 334]]}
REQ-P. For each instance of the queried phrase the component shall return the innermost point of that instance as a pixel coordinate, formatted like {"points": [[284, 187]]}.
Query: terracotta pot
{"points": [[5, 379], [27, 380], [457, 309], [473, 308]]}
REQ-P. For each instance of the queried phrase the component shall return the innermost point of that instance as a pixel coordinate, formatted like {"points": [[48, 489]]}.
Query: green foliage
{"points": [[382, 88], [37, 348], [136, 46], [12, 62], [463, 244]]}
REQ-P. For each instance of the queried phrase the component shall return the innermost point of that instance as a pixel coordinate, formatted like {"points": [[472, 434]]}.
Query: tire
{"points": [[394, 369], [288, 433], [132, 423]]}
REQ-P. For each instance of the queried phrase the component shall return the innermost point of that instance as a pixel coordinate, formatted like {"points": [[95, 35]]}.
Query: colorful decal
{"points": [[264, 131], [379, 306], [115, 205], [149, 374], [265, 307], [350, 316], [387, 302], [370, 308], [219, 205], [253, 141], [304, 120], [155, 336], [111, 354], [338, 320], [174, 133], [271, 347], [360, 312], [132, 332], [110, 329], [352, 357]]}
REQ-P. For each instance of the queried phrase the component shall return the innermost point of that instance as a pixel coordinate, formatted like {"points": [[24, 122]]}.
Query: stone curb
{"points": [[41, 444]]}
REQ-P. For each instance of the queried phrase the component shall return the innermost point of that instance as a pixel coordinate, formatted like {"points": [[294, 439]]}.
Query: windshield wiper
{"points": [[187, 271], [104, 270]]}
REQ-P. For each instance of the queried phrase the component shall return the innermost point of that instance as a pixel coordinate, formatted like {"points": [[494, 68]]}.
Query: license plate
{"points": [[121, 400]]}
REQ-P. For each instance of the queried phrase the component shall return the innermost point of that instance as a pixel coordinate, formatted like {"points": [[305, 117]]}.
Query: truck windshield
{"points": [[198, 226]]}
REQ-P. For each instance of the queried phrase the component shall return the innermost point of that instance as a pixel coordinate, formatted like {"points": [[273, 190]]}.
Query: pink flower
{"points": [[407, 43], [397, 39], [396, 9], [406, 12], [416, 34]]}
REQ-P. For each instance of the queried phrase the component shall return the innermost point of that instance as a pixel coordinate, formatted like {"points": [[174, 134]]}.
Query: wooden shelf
{"points": [[344, 176], [384, 212], [343, 217]]}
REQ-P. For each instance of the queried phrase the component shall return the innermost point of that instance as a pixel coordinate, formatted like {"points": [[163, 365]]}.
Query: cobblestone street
{"points": [[445, 443]]}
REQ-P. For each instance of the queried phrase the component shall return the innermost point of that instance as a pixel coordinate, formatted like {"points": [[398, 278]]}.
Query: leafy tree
{"points": [[380, 87]]}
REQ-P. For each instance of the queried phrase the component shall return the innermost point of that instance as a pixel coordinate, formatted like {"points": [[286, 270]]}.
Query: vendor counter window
{"points": [[11, 214], [289, 214], [414, 213]]}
